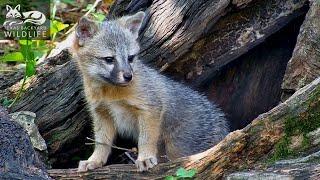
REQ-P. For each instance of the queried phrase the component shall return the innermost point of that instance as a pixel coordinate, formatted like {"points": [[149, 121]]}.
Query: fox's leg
{"points": [[149, 132], [104, 133]]}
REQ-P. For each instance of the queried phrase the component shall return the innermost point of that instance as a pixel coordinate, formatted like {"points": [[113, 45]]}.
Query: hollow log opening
{"points": [[251, 84]]}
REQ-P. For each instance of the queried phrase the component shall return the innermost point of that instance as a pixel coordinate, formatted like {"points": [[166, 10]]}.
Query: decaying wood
{"points": [[57, 99], [240, 149], [304, 66], [284, 172], [234, 35], [190, 40], [305, 167], [7, 80], [18, 158]]}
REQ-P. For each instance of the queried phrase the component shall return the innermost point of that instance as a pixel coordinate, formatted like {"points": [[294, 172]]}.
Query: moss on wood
{"points": [[300, 124]]}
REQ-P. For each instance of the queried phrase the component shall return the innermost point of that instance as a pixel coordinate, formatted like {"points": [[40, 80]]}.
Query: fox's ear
{"points": [[17, 7], [85, 30], [134, 22], [8, 7]]}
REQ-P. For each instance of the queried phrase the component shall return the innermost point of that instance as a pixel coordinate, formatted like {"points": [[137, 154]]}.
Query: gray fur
{"points": [[191, 123]]}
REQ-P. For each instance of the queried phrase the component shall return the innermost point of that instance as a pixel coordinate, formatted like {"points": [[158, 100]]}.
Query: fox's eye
{"points": [[131, 58], [108, 60]]}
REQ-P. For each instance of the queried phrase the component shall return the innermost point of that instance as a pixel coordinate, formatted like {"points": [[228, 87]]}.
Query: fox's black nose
{"points": [[127, 77]]}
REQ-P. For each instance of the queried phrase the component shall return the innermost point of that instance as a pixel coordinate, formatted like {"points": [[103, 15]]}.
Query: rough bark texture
{"points": [[7, 80], [18, 159], [191, 41], [304, 66], [57, 99], [283, 172], [306, 167], [240, 149]]}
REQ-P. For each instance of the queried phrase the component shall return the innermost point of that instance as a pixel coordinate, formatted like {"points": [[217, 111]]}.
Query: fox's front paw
{"points": [[88, 165], [143, 164]]}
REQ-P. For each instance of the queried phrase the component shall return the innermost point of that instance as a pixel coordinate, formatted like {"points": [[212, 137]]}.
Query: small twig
{"points": [[106, 144], [4, 70], [86, 14], [19, 92], [129, 156], [93, 7]]}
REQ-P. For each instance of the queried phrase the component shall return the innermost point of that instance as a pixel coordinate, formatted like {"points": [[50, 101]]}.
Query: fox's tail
{"points": [[33, 21], [38, 21]]}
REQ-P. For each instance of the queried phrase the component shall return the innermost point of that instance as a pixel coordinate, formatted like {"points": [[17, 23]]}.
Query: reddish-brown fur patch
{"points": [[108, 92]]}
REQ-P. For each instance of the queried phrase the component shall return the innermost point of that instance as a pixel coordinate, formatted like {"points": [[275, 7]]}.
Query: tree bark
{"points": [[193, 39], [57, 99], [304, 66], [240, 149], [18, 158]]}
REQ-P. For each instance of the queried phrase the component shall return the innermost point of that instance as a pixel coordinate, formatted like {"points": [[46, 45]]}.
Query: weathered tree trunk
{"points": [[240, 149], [18, 158], [304, 66]]}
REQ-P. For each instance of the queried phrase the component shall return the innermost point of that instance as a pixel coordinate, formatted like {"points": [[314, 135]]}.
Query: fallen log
{"points": [[288, 171], [240, 149]]}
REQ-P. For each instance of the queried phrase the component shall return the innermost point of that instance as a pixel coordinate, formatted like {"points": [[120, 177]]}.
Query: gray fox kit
{"points": [[129, 98]]}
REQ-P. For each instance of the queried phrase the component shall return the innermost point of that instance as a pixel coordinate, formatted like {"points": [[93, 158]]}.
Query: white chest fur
{"points": [[125, 121]]}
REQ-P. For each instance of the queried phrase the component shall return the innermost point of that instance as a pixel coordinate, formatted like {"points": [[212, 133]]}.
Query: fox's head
{"points": [[13, 13], [107, 51]]}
